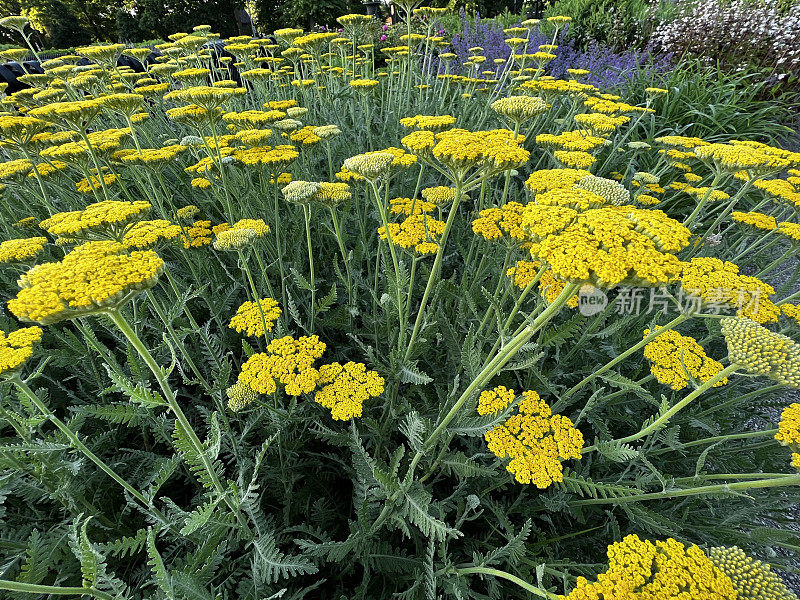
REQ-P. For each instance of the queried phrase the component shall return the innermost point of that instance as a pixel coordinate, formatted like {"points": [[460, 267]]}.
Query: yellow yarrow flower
{"points": [[676, 359], [288, 361], [408, 206], [536, 441], [87, 186], [755, 219], [251, 317], [240, 395], [789, 426], [790, 230], [94, 277], [646, 571], [574, 141], [752, 579], [145, 234], [16, 348], [495, 223], [198, 234], [344, 388], [491, 402], [106, 217], [545, 180], [718, 282], [21, 249], [791, 310], [606, 246], [574, 159], [550, 288], [417, 231], [519, 108], [439, 195]]}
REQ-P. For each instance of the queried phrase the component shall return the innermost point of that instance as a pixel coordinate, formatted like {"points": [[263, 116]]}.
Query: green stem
{"points": [[254, 291], [395, 263], [508, 576], [79, 445], [662, 420], [30, 588], [123, 325], [698, 491], [717, 438], [437, 262], [338, 230], [703, 200], [494, 366], [776, 262], [612, 363], [307, 215]]}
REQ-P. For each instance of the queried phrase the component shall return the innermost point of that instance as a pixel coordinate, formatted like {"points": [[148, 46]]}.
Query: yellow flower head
{"points": [[301, 192], [344, 388], [87, 186], [370, 166], [761, 351], [417, 231], [107, 217], [198, 234], [187, 212], [251, 318], [675, 359], [550, 288], [495, 223], [734, 157], [16, 348], [94, 277], [667, 569], [288, 361], [519, 108], [717, 282], [536, 441], [574, 158], [408, 206], [363, 85], [791, 310], [606, 246], [790, 230], [545, 180], [608, 189], [573, 141], [145, 234], [576, 198], [429, 122], [240, 395], [755, 219], [599, 123], [21, 249], [491, 402], [439, 195], [332, 194]]}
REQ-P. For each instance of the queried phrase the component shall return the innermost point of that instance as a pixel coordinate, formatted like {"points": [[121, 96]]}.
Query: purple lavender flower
{"points": [[610, 69]]}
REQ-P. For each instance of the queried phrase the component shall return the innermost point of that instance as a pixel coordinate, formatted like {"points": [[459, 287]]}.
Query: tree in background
{"points": [[147, 19], [64, 23], [274, 14]]}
